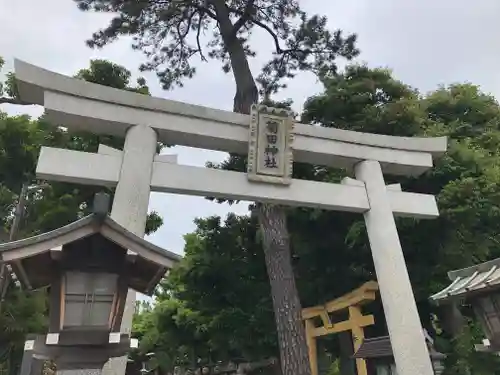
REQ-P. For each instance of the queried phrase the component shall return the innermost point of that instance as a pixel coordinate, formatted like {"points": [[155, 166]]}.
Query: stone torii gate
{"points": [[136, 170]]}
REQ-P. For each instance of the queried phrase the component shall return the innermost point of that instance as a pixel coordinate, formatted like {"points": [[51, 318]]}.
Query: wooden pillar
{"points": [[357, 337], [311, 346]]}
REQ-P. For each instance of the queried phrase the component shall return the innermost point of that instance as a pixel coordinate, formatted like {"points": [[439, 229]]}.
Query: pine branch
{"points": [[205, 10], [262, 25], [198, 32], [244, 18]]}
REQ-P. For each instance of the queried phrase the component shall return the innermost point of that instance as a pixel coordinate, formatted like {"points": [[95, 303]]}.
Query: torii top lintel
{"points": [[81, 105]]}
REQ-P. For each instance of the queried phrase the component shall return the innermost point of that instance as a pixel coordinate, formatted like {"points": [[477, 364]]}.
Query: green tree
{"points": [[7, 93], [465, 180], [170, 35], [61, 203], [222, 314], [221, 277], [48, 205], [21, 312], [175, 332]]}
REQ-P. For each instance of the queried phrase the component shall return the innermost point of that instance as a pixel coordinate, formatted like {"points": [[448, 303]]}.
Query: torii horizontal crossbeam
{"points": [[81, 105], [103, 169]]}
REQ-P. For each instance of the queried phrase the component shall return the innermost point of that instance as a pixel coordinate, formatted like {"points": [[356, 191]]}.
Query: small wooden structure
{"points": [[479, 286], [89, 265], [355, 323], [377, 352]]}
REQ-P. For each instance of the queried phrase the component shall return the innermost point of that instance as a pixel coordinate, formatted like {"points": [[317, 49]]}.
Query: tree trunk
{"points": [[18, 214], [272, 221], [286, 302], [452, 320]]}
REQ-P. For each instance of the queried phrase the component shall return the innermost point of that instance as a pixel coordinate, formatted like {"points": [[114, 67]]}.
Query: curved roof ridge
{"points": [[7, 246], [97, 224]]}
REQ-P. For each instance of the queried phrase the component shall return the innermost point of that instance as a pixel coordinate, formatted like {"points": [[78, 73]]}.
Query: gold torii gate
{"points": [[356, 322]]}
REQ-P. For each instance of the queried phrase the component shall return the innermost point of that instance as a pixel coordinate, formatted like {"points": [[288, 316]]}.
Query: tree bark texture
{"points": [[286, 302], [452, 320], [18, 214], [272, 220]]}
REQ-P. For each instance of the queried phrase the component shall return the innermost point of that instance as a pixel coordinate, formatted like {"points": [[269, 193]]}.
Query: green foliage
{"points": [[49, 204], [364, 99], [334, 368], [24, 313], [19, 145], [21, 313], [110, 74], [180, 333], [221, 255], [222, 279], [219, 298], [463, 359], [465, 180], [8, 88]]}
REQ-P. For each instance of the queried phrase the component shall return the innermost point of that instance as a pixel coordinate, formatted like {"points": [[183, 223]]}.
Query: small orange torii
{"points": [[351, 301]]}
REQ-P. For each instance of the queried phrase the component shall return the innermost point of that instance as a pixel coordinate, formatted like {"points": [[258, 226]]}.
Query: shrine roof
{"points": [[33, 259], [470, 281], [380, 347]]}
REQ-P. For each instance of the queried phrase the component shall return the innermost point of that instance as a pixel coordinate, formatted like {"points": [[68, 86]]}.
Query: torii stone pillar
{"points": [[130, 209], [405, 330]]}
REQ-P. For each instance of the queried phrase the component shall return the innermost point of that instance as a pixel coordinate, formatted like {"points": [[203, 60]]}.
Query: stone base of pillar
{"points": [[84, 371]]}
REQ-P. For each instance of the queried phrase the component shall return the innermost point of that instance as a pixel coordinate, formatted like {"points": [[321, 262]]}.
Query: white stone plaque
{"points": [[270, 157], [29, 345]]}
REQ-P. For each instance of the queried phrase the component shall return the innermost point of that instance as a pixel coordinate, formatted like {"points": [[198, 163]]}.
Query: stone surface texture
{"points": [[130, 209], [104, 170]]}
